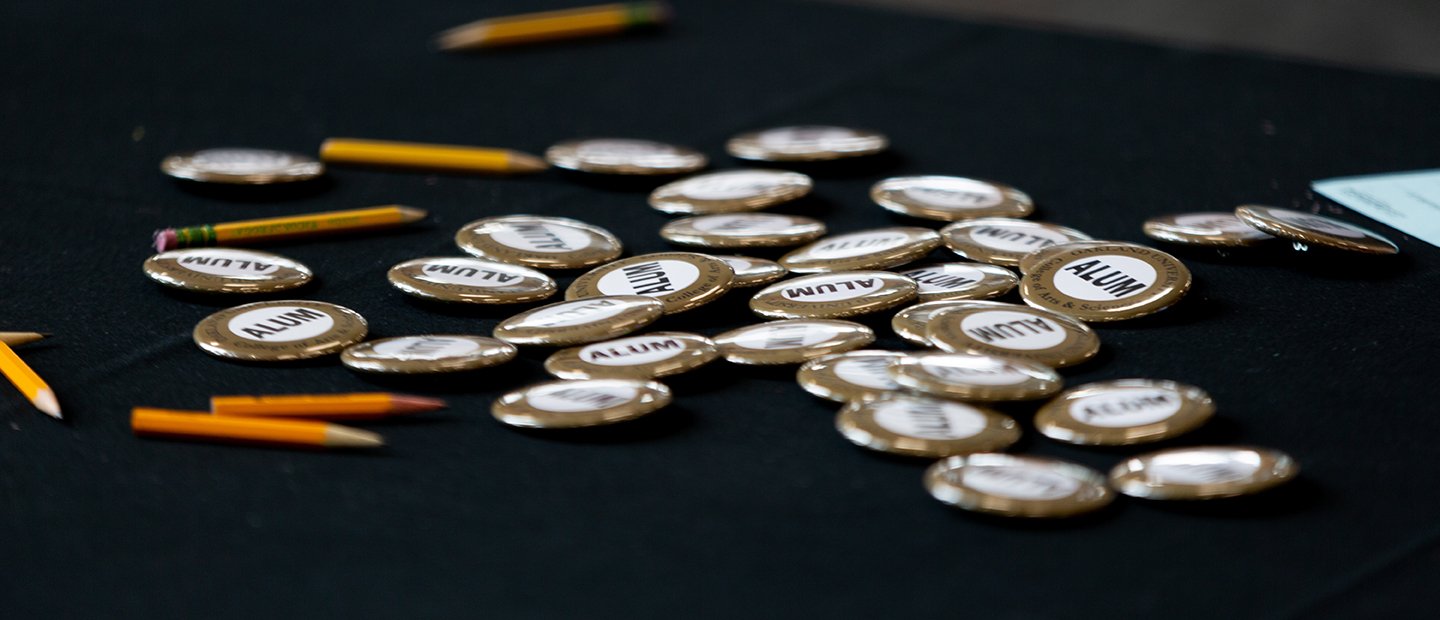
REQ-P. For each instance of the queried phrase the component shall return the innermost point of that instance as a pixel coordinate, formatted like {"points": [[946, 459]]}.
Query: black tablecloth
{"points": [[741, 500]]}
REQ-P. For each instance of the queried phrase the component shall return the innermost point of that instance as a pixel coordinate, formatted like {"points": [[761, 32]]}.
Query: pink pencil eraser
{"points": [[165, 239]]}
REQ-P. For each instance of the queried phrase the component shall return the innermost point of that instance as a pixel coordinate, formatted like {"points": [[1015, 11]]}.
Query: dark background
{"points": [[741, 499]]}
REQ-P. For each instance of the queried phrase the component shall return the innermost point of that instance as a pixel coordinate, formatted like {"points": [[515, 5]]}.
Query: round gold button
{"points": [[538, 242], [912, 322], [1124, 412], [624, 156], [878, 248], [1004, 241], [833, 295], [857, 375], [1203, 472], [280, 331], [942, 281], [947, 198], [966, 376], [743, 230], [580, 321], [751, 271], [576, 404], [1011, 330], [1106, 282], [1017, 486], [226, 270], [647, 356], [1309, 228], [806, 143], [921, 426], [679, 280], [792, 341], [242, 166], [1205, 229], [730, 191], [428, 354], [470, 280]]}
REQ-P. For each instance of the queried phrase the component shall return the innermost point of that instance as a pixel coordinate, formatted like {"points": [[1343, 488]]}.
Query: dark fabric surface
{"points": [[740, 500]]}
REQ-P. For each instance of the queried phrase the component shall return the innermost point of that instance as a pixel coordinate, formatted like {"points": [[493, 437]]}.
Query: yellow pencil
{"points": [[552, 25], [357, 406], [271, 229], [29, 383], [16, 339], [199, 425], [418, 156]]}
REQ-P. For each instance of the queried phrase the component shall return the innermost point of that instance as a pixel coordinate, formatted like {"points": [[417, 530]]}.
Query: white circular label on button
{"points": [[633, 351], [960, 194], [827, 288], [226, 263], [1126, 408], [1105, 277], [729, 185], [1019, 482], [652, 278], [1013, 330], [945, 278], [576, 313], [540, 237], [791, 336], [867, 371], [1202, 467], [469, 272], [976, 371], [743, 224], [562, 398], [425, 348], [1213, 223], [929, 419], [280, 324], [858, 244], [1018, 238]]}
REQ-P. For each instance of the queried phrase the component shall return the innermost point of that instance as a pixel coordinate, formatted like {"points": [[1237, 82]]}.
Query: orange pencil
{"points": [[357, 406], [29, 383], [201, 426]]}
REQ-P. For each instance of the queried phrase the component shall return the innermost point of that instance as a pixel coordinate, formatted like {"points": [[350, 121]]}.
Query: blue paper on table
{"points": [[1407, 201]]}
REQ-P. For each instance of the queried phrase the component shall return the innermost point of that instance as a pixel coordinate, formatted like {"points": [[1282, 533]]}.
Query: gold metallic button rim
{"points": [[212, 334], [1274, 468], [994, 282], [637, 312], [167, 268], [1170, 229], [476, 238], [820, 376], [189, 166], [910, 323], [913, 373], [696, 351], [895, 290], [1080, 344], [890, 195], [1173, 280], [758, 271], [945, 482], [750, 145], [713, 282], [1271, 220], [1054, 419], [362, 356], [956, 236], [856, 422], [919, 242], [683, 231], [534, 285], [568, 155], [848, 336], [672, 197], [515, 409]]}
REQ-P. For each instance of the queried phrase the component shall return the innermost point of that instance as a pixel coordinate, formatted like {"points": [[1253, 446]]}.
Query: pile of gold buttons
{"points": [[242, 166], [791, 341], [1310, 229], [581, 403], [743, 230], [878, 248], [226, 270], [538, 242], [409, 355], [280, 331], [833, 295], [803, 143], [624, 156], [679, 280], [580, 321], [470, 280], [730, 191], [950, 198], [647, 356]]}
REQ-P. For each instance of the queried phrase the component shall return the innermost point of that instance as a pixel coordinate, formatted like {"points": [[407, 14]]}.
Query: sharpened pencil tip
{"points": [[346, 437], [405, 403], [525, 162], [411, 214], [45, 401]]}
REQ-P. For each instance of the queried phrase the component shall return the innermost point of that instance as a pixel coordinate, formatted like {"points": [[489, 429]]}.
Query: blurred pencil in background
{"points": [[200, 426], [357, 406], [591, 21], [438, 157]]}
